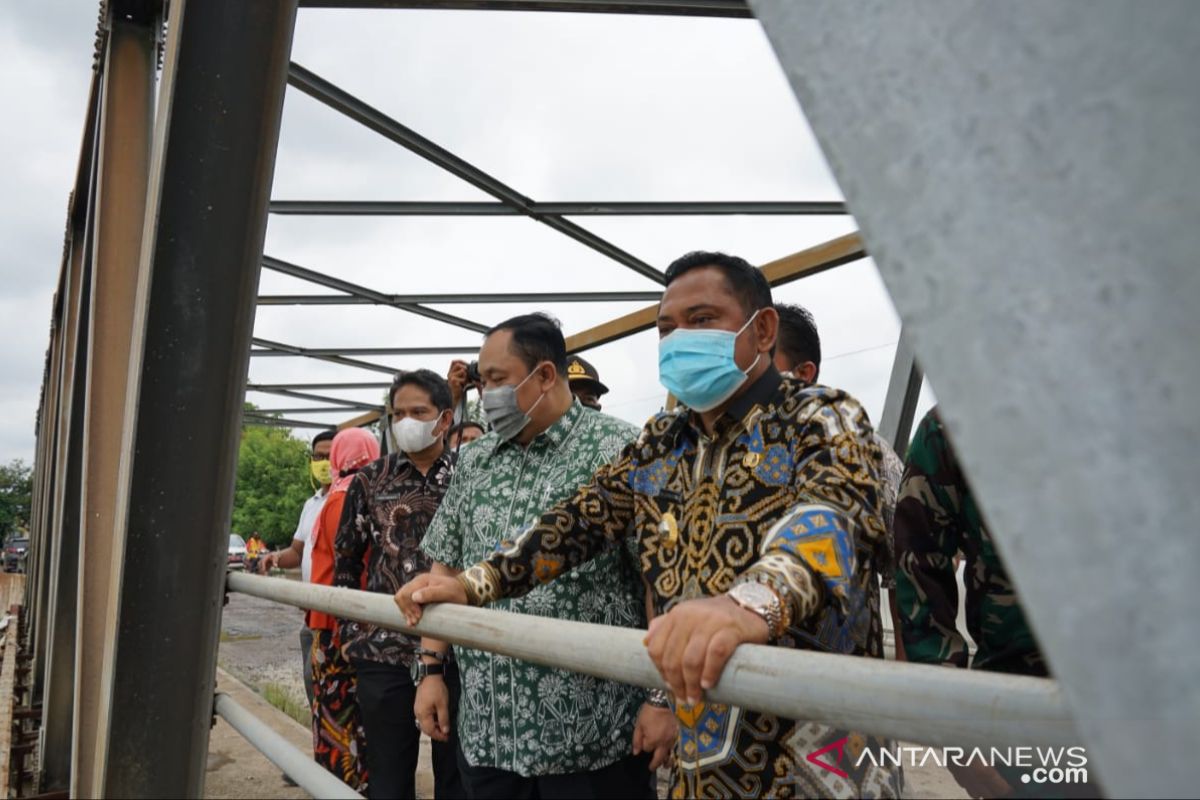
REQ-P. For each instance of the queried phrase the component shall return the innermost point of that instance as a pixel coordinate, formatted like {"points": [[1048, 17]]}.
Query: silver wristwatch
{"points": [[758, 598]]}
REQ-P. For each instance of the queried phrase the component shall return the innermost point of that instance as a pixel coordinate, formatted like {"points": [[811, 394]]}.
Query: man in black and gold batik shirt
{"points": [[757, 512]]}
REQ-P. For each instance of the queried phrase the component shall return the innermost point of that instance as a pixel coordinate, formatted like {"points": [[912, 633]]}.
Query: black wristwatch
{"points": [[420, 671]]}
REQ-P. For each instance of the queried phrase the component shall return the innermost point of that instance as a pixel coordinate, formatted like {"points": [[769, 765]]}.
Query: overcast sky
{"points": [[566, 107]]}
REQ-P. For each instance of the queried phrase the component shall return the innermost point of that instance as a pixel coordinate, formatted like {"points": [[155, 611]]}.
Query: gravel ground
{"points": [[260, 644]]}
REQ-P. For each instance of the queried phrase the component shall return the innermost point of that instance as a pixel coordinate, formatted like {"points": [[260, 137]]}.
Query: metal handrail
{"points": [[308, 774], [909, 702]]}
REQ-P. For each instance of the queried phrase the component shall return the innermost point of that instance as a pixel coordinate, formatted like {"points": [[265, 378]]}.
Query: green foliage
{"points": [[16, 491], [272, 484]]}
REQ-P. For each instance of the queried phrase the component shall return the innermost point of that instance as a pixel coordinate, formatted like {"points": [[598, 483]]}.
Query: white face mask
{"points": [[414, 435]]}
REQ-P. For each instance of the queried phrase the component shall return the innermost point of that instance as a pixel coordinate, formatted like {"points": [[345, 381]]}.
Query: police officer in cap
{"points": [[585, 382]]}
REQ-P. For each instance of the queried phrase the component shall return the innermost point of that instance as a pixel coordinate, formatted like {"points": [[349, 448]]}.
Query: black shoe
{"points": [[287, 779]]}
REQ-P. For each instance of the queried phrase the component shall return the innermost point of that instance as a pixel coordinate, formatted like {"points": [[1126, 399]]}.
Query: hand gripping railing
{"points": [[917, 703]]}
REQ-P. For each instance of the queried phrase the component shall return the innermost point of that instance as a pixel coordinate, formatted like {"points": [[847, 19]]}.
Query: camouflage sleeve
{"points": [[928, 532], [574, 531]]}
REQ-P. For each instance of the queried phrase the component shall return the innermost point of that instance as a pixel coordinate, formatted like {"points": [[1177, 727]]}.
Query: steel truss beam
{"points": [[125, 132], [390, 208], [807, 262], [332, 359], [688, 8], [268, 387], [900, 404], [517, 297], [267, 412], [328, 281], [279, 422], [223, 84], [342, 101], [316, 398], [313, 352], [58, 699], [1029, 185]]}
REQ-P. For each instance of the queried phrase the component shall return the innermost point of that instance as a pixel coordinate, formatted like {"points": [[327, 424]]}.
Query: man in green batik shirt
{"points": [[526, 730]]}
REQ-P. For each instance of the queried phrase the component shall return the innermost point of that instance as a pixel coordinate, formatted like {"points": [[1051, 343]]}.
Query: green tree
{"points": [[16, 492], [272, 483]]}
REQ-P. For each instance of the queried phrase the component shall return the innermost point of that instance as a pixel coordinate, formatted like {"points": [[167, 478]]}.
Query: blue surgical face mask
{"points": [[698, 365]]}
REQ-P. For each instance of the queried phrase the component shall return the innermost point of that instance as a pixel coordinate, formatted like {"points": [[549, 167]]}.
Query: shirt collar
{"points": [[758, 393], [744, 409], [445, 459]]}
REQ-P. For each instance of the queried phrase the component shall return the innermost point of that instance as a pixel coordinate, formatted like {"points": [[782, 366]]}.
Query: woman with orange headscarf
{"points": [[338, 741]]}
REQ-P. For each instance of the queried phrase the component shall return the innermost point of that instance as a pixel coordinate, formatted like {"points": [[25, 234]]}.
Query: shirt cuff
{"points": [[481, 583]]}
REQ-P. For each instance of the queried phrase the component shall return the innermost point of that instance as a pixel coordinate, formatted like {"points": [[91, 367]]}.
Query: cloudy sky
{"points": [[562, 107]]}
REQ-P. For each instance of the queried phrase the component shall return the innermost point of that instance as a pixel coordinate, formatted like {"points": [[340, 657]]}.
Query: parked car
{"points": [[14, 554], [237, 551]]}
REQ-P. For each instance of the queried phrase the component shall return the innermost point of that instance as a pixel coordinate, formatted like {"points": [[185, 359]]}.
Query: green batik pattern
{"points": [[518, 716], [937, 517]]}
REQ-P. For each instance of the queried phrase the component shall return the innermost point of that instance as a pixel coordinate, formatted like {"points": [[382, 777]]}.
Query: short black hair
{"points": [[324, 436], [462, 426], [536, 338], [433, 384], [798, 337], [746, 281]]}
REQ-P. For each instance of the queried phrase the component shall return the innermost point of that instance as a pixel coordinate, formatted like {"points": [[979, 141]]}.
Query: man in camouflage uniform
{"points": [[937, 518]]}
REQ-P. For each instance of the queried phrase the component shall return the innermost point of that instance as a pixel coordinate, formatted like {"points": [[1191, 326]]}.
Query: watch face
{"points": [[753, 594]]}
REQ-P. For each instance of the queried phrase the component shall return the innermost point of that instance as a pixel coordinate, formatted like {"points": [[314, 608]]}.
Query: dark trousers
{"points": [[385, 700], [628, 778], [306, 640]]}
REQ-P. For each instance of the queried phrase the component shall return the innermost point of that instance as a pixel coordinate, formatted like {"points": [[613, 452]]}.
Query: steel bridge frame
{"points": [[142, 400]]}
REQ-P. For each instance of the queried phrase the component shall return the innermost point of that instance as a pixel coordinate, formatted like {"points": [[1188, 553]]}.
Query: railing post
{"points": [[223, 83]]}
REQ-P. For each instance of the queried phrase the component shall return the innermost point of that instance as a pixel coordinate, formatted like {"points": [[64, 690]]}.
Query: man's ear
{"points": [[806, 372], [766, 329]]}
